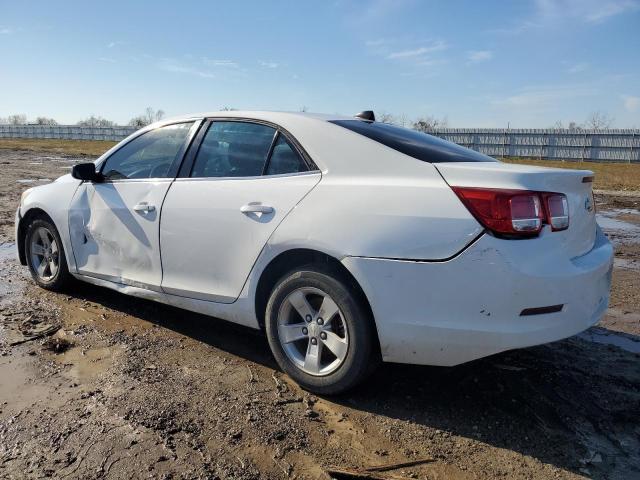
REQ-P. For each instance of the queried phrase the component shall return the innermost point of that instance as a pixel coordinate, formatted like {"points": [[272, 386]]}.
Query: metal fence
{"points": [[613, 145], [68, 132], [619, 145]]}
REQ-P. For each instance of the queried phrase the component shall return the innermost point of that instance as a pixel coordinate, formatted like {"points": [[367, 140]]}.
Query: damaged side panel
{"points": [[114, 230]]}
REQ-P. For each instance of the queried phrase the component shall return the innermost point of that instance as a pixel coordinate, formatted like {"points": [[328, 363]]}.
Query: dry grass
{"points": [[52, 145], [608, 176]]}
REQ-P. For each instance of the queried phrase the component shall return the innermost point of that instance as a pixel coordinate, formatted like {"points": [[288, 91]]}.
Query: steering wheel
{"points": [[160, 170]]}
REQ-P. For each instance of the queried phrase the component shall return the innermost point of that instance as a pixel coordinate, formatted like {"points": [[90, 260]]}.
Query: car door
{"points": [[216, 218], [114, 224]]}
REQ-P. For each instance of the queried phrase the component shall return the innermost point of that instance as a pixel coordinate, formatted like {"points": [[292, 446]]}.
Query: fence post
{"points": [[503, 140]]}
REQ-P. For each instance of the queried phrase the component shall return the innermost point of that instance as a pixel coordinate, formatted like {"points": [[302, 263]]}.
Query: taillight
{"points": [[526, 212], [557, 210], [515, 213]]}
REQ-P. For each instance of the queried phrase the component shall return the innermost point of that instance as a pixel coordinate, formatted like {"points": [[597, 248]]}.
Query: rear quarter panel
{"points": [[414, 215]]}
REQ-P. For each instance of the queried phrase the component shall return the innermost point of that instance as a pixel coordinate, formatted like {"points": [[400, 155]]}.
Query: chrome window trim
{"points": [[254, 177], [313, 167], [138, 180]]}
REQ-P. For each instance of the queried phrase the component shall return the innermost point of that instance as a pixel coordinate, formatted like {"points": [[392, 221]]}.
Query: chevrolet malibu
{"points": [[346, 240]]}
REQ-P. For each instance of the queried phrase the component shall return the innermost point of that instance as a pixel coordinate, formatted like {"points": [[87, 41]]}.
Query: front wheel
{"points": [[45, 255], [319, 331]]}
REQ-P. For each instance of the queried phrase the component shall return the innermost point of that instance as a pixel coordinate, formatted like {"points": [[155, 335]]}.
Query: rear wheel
{"points": [[320, 333], [45, 255]]}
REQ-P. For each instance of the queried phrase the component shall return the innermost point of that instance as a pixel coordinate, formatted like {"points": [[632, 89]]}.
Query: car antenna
{"points": [[367, 116]]}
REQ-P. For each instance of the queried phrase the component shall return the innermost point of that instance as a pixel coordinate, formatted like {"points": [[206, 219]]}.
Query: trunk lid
{"points": [[579, 238]]}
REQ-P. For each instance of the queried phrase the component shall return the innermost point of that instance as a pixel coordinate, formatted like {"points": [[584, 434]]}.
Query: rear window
{"points": [[415, 144]]}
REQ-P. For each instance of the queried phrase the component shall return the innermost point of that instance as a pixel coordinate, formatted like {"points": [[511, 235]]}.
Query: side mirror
{"points": [[86, 172]]}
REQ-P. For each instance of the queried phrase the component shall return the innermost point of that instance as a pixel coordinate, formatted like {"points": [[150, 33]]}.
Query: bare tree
{"points": [[94, 121], [45, 121], [153, 115], [17, 119], [147, 118], [599, 120], [139, 122], [574, 126], [386, 117], [304, 108], [430, 123], [227, 109]]}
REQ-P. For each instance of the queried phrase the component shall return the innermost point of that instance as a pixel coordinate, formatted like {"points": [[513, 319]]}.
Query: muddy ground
{"points": [[131, 389]]}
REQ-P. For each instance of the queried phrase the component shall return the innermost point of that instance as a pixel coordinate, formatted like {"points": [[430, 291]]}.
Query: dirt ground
{"points": [[131, 389]]}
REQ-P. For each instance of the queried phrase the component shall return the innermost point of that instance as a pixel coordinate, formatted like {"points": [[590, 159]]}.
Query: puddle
{"points": [[86, 364], [626, 263], [17, 383], [68, 160], [7, 251], [609, 223], [607, 337], [619, 231], [33, 180]]}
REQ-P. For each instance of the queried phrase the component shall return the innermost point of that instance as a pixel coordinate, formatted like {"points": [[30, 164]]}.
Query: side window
{"points": [[149, 155], [233, 149], [285, 159]]}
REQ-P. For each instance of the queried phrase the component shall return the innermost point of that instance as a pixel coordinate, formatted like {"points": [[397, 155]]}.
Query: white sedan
{"points": [[346, 240]]}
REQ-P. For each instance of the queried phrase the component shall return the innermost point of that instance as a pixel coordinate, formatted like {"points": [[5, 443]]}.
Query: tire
{"points": [[338, 367], [43, 248]]}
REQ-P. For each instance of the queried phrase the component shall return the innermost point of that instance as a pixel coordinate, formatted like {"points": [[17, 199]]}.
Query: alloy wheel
{"points": [[45, 254], [313, 331]]}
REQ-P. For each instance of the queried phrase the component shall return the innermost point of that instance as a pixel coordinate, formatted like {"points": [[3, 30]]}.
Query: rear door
{"points": [[244, 179], [114, 224]]}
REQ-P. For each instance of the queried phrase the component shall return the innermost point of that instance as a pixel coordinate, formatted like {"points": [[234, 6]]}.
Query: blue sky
{"points": [[479, 63]]}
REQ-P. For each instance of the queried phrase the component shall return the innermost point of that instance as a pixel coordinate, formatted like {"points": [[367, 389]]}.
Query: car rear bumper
{"points": [[447, 313]]}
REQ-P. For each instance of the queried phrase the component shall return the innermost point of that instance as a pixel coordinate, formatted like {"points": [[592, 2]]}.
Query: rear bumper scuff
{"points": [[452, 312]]}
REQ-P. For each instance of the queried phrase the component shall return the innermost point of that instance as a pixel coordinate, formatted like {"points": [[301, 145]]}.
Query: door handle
{"points": [[144, 207], [256, 208]]}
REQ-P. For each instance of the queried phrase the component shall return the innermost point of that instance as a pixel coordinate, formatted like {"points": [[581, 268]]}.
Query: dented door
{"points": [[114, 229]]}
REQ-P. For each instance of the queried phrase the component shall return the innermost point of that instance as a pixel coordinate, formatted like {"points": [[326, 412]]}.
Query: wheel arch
{"points": [[288, 261], [29, 216]]}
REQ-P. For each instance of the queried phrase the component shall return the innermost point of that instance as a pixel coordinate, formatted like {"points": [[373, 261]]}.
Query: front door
{"points": [[114, 224], [245, 179]]}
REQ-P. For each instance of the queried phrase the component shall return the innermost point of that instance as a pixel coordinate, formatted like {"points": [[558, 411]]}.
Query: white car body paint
{"points": [[209, 245], [54, 199], [442, 292], [575, 241], [446, 313], [113, 241]]}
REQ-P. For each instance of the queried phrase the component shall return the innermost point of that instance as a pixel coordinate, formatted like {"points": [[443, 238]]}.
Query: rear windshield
{"points": [[415, 144]]}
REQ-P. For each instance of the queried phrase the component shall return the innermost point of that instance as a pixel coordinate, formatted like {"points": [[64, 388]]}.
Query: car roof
{"points": [[266, 115], [333, 148]]}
